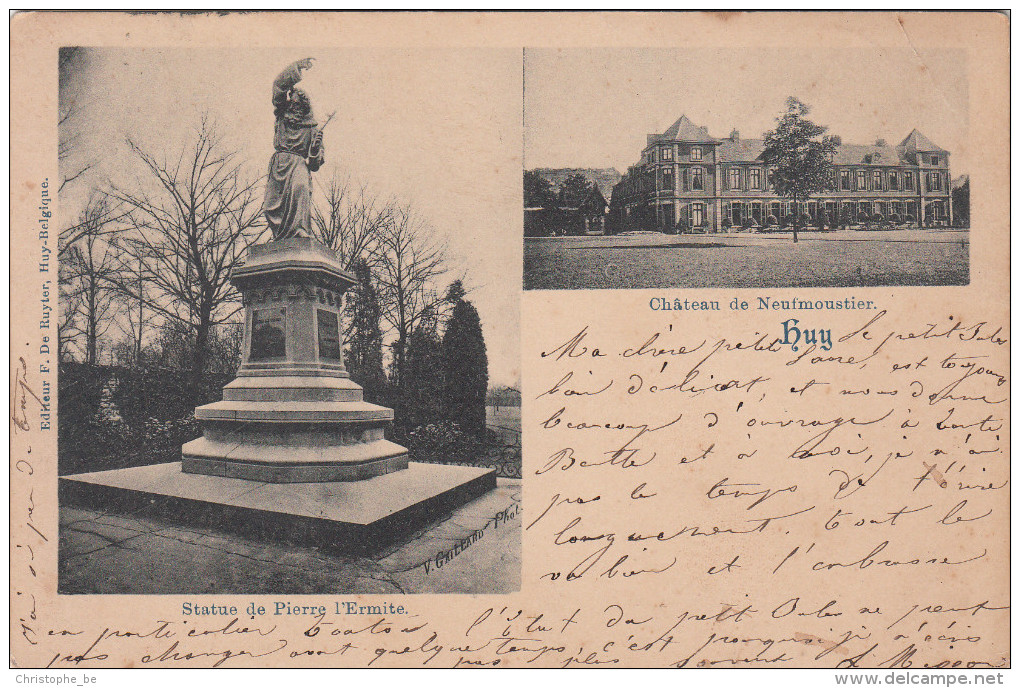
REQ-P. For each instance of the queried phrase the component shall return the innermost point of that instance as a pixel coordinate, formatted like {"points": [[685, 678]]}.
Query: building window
{"points": [[862, 180], [756, 178], [696, 153], [934, 160], [734, 177], [651, 155], [697, 214], [908, 181], [770, 178], [668, 215], [934, 181], [667, 153], [667, 179], [697, 179], [844, 180], [876, 180], [894, 182]]}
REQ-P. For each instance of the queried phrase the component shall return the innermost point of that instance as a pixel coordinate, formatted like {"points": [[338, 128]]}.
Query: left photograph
{"points": [[289, 321]]}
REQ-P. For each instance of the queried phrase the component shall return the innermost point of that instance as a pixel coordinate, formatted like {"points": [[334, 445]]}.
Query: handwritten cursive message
{"points": [[838, 503]]}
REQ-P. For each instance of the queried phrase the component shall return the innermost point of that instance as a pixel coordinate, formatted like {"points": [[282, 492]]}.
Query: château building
{"points": [[690, 180]]}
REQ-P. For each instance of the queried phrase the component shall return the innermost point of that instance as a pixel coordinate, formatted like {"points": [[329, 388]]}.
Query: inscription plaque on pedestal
{"points": [[268, 339], [328, 325]]}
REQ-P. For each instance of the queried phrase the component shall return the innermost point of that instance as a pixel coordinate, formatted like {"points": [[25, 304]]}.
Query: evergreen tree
{"points": [[465, 365], [538, 191], [420, 397], [961, 204], [364, 359], [575, 190]]}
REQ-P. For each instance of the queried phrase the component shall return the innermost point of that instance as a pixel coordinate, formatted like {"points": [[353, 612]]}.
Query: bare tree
{"points": [[409, 258], [69, 325], [112, 213], [135, 316], [72, 165], [349, 218], [189, 232], [89, 277]]}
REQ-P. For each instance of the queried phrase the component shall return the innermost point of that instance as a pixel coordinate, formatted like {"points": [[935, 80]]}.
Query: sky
{"points": [[438, 128], [593, 107]]}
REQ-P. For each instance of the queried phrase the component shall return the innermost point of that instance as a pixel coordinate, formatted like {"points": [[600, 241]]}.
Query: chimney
{"points": [[881, 143], [734, 135]]}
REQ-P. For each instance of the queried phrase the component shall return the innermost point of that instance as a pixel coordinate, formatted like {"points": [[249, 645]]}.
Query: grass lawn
{"points": [[836, 259]]}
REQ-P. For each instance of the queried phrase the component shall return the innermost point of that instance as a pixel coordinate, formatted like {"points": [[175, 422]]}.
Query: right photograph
{"points": [[730, 168]]}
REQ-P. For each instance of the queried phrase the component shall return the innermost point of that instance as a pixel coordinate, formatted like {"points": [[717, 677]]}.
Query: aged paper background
{"points": [[876, 529]]}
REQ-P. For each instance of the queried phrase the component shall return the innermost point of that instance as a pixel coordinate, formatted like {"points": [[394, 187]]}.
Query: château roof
{"points": [[855, 154], [683, 130], [750, 150], [916, 142], [740, 150], [736, 149]]}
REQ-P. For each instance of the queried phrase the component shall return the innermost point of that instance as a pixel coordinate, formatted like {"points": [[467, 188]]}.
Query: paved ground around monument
{"points": [[846, 258], [471, 551]]}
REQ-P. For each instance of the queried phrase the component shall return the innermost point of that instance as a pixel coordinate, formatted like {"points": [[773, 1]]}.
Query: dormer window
{"points": [[696, 153]]}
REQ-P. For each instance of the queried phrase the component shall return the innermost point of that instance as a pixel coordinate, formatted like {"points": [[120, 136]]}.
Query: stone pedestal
{"points": [[292, 414], [293, 451]]}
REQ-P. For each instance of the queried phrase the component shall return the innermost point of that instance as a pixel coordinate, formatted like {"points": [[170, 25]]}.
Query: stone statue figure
{"points": [[299, 152]]}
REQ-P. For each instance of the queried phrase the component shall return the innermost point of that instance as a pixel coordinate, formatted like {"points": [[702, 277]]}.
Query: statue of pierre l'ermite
{"points": [[297, 138]]}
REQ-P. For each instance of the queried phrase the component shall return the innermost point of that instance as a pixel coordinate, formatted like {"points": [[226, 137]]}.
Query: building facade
{"points": [[688, 180]]}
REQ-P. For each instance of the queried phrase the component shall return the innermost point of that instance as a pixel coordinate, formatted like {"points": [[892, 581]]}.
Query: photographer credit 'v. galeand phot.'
{"points": [[300, 378]]}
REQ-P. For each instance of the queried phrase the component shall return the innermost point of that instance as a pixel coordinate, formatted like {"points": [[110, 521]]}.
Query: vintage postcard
{"points": [[511, 340]]}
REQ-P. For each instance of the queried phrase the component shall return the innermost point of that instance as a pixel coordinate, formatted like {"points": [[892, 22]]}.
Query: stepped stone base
{"points": [[343, 516], [279, 470]]}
